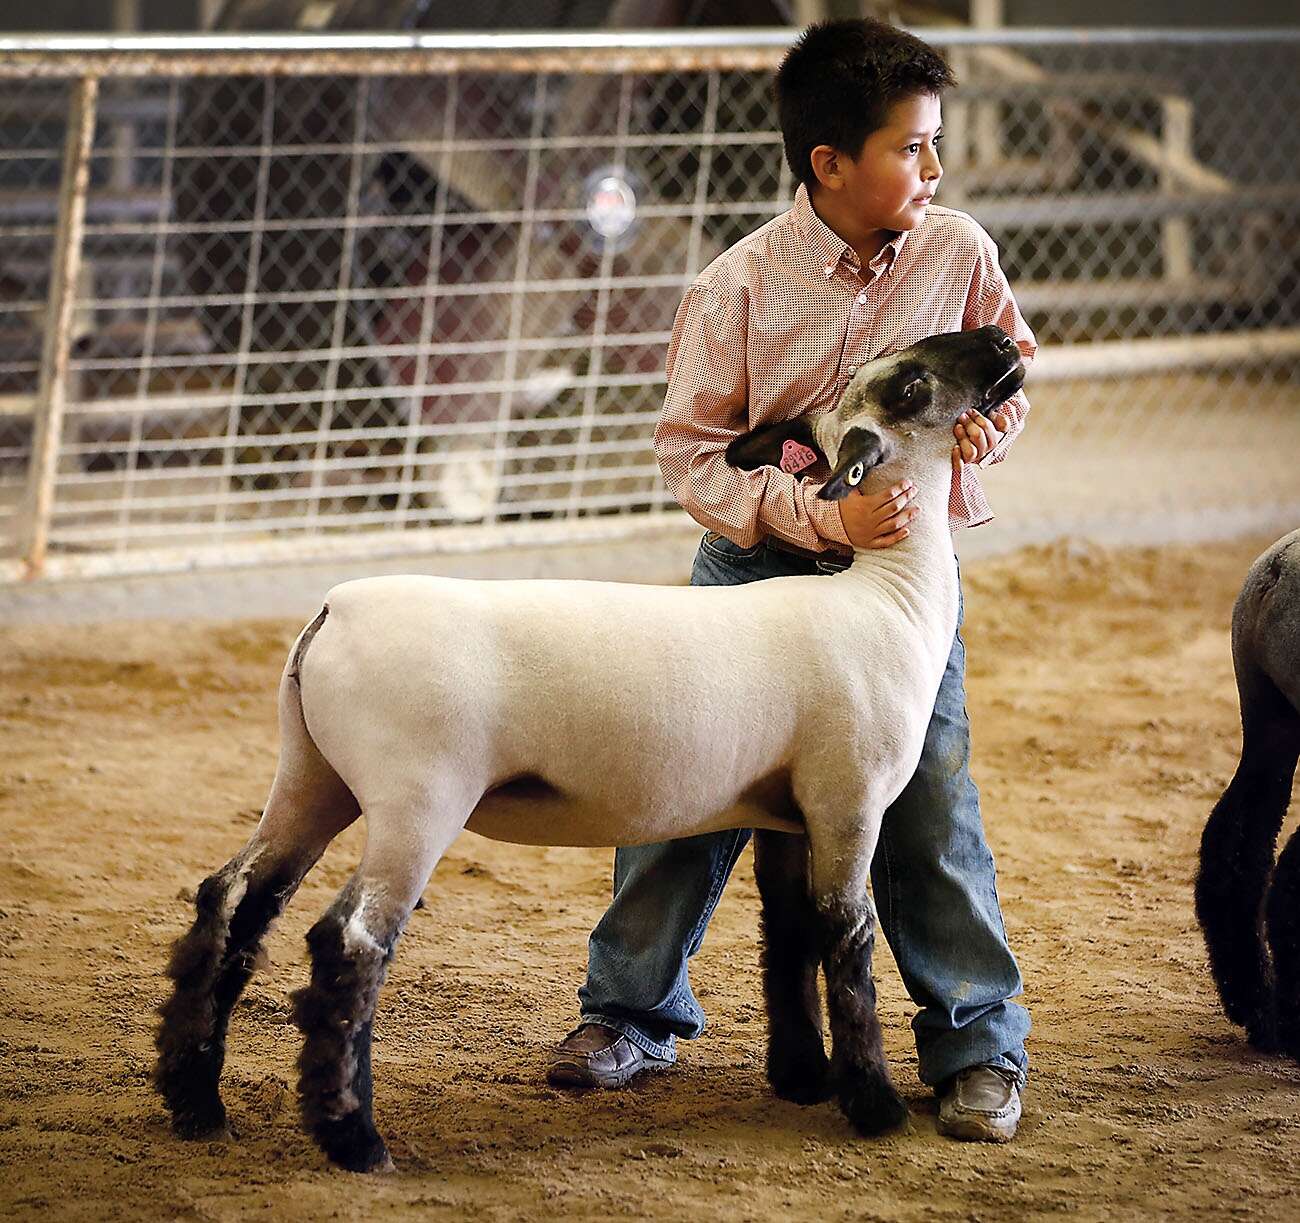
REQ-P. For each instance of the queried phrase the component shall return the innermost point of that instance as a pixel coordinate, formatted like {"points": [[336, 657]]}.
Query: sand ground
{"points": [[134, 760]]}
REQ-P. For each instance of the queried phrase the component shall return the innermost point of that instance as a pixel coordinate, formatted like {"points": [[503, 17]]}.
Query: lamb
{"points": [[585, 713], [1236, 902]]}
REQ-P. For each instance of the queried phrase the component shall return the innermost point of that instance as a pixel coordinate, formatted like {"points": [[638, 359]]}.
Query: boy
{"points": [[772, 329]]}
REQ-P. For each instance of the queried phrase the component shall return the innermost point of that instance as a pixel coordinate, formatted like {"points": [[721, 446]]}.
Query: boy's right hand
{"points": [[878, 520]]}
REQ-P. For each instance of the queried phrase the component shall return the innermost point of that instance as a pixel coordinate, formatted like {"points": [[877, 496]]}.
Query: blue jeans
{"points": [[932, 879]]}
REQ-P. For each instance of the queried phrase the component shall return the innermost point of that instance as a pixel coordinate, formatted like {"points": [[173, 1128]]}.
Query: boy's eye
{"points": [[913, 149]]}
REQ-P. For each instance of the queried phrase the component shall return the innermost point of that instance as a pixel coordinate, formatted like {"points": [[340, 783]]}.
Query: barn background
{"points": [[292, 290]]}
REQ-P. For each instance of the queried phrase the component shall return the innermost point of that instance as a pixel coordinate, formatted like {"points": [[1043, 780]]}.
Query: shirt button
{"points": [[862, 298], [828, 271], [853, 369]]}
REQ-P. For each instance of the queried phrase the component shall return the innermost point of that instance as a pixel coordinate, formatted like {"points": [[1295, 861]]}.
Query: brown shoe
{"points": [[593, 1055], [982, 1104]]}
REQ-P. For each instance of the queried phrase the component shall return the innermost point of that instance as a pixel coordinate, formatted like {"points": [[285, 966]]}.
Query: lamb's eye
{"points": [[856, 472], [911, 388]]}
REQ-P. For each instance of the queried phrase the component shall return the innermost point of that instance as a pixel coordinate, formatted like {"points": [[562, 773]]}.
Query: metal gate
{"points": [[290, 296]]}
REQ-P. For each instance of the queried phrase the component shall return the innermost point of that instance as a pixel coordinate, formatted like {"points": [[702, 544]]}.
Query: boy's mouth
{"points": [[922, 199]]}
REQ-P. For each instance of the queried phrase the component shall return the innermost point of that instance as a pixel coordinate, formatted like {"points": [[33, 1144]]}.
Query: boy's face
{"points": [[890, 182]]}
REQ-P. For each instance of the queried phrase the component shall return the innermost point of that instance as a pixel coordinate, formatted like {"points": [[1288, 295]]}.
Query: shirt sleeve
{"points": [[990, 301], [707, 405]]}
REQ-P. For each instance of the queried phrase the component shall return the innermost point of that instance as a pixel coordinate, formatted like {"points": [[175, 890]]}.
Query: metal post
{"points": [[986, 129], [126, 19], [957, 123], [209, 11], [808, 11], [1176, 232], [56, 350]]}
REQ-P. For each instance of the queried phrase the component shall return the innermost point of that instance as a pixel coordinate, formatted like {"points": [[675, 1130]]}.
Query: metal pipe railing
{"points": [[56, 353], [158, 55]]}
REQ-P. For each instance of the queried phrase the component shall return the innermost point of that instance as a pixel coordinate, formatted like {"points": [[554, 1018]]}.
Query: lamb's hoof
{"points": [[353, 1143], [802, 1080], [1286, 1041], [873, 1107], [207, 1124], [1266, 1031], [1263, 1036]]}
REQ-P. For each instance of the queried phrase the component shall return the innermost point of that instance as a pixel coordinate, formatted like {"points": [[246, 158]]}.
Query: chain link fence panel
{"points": [[341, 308]]}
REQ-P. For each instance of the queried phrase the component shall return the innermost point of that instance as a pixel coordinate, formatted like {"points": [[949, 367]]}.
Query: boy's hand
{"points": [[877, 520], [976, 435]]}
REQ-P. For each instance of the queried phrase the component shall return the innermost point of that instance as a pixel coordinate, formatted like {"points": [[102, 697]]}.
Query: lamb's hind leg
{"points": [[797, 1066], [841, 861], [213, 961], [351, 947], [1236, 859], [210, 965]]}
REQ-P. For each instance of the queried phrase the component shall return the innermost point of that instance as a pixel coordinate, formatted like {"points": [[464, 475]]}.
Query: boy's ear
{"points": [[825, 161], [860, 451], [789, 446]]}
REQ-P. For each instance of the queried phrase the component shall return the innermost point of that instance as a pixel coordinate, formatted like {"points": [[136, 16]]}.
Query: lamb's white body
{"points": [[592, 713]]}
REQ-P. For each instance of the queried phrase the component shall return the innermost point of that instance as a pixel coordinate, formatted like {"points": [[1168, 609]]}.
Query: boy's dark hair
{"points": [[837, 83]]}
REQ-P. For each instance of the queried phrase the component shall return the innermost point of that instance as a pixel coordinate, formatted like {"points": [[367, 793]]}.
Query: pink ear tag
{"points": [[795, 456]]}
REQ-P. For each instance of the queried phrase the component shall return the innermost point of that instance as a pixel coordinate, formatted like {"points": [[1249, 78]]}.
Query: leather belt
{"points": [[826, 554]]}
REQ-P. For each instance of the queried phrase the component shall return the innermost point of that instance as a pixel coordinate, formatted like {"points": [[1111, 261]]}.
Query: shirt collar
{"points": [[828, 248]]}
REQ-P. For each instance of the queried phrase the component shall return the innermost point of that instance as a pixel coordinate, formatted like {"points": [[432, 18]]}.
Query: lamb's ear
{"points": [[789, 446], [860, 451]]}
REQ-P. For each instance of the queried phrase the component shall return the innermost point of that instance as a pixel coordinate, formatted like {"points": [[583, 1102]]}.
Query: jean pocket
{"points": [[718, 545], [833, 566]]}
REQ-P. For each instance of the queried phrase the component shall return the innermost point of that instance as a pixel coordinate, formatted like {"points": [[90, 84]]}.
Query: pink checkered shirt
{"points": [[776, 326]]}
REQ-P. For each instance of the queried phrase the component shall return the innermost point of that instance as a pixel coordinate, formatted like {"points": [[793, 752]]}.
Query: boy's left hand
{"points": [[976, 435]]}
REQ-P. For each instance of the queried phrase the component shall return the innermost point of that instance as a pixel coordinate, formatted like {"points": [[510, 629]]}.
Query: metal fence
{"points": [[304, 296]]}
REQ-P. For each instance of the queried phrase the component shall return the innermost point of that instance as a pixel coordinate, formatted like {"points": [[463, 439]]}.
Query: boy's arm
{"points": [[990, 301], [705, 408]]}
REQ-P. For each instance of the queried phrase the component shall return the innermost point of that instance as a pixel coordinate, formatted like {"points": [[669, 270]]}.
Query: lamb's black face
{"points": [[925, 387], [935, 381]]}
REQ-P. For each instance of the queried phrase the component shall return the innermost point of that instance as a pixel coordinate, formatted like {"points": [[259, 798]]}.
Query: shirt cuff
{"points": [[826, 518]]}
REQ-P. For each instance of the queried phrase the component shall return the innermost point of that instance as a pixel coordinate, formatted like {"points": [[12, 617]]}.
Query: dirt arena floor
{"points": [[134, 759]]}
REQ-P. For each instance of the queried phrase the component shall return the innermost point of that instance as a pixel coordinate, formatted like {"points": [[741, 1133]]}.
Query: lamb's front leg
{"points": [[797, 1066], [841, 862], [858, 1067], [1282, 913]]}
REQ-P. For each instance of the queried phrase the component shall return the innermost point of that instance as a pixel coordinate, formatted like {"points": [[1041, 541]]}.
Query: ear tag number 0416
{"points": [[795, 457]]}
